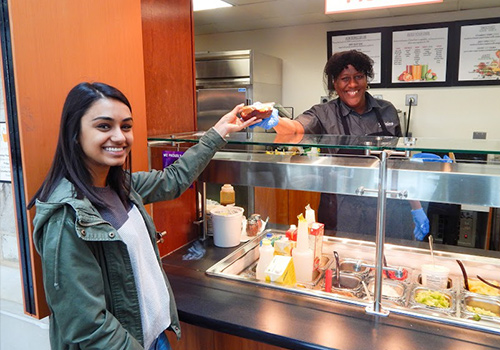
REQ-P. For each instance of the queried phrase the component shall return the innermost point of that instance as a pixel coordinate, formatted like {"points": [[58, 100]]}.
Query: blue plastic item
{"points": [[269, 122], [430, 157], [421, 224]]}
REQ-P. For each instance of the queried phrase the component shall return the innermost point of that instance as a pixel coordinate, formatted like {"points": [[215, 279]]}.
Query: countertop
{"points": [[296, 321]]}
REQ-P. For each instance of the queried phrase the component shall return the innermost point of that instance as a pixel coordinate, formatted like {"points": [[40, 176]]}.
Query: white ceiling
{"points": [[261, 14]]}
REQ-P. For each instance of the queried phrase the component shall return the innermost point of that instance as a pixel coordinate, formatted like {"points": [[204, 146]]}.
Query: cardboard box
{"points": [[316, 232]]}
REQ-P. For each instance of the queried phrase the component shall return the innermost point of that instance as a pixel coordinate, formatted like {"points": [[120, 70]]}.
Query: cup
{"points": [[416, 72], [425, 68], [435, 276], [226, 222]]}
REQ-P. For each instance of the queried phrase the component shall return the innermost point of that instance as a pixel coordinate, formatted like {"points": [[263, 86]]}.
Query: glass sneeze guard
{"points": [[375, 143]]}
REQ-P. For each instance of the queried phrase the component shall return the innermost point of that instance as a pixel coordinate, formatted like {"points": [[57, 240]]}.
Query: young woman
{"points": [[101, 269]]}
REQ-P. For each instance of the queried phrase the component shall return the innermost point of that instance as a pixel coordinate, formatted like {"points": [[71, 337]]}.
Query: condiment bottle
{"points": [[266, 252], [310, 215], [303, 257], [227, 195]]}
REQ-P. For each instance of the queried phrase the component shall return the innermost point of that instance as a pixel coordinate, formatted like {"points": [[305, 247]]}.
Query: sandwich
{"points": [[258, 110]]}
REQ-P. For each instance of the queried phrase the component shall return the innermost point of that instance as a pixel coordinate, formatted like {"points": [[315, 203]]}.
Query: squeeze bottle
{"points": [[227, 195], [303, 257], [310, 215], [266, 252]]}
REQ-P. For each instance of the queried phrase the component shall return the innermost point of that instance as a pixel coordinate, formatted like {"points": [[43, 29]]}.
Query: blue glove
{"points": [[268, 123], [421, 224], [430, 157]]}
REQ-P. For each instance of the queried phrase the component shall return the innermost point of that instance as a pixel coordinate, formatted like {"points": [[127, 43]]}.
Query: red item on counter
{"points": [[328, 280], [291, 233]]}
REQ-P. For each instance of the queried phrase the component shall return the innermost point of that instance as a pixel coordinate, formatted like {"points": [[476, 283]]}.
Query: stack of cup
{"points": [[435, 276]]}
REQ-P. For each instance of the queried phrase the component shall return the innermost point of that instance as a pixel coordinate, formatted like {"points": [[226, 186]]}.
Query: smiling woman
{"points": [[96, 241], [106, 137]]}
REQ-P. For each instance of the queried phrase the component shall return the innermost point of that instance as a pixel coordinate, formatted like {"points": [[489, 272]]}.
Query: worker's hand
{"points": [[269, 122], [421, 224], [231, 123]]}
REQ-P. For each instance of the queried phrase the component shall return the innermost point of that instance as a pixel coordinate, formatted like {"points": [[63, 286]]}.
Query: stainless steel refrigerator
{"points": [[226, 79]]}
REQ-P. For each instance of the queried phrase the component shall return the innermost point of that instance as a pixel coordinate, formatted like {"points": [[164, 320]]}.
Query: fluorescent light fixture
{"points": [[199, 5], [336, 6]]}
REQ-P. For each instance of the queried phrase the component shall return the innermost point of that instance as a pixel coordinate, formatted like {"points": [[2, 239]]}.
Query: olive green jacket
{"points": [[87, 273]]}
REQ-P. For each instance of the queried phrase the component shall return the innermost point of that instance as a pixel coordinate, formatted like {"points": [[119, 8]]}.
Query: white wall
{"points": [[441, 112]]}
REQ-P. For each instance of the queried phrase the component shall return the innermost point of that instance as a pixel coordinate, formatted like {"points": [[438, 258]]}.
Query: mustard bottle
{"points": [[227, 195]]}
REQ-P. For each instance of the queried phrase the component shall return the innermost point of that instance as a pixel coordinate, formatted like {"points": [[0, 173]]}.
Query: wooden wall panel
{"points": [[170, 100], [196, 338], [283, 206], [57, 44]]}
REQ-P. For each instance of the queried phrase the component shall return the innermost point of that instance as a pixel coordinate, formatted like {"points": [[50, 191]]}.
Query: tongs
{"points": [[486, 282]]}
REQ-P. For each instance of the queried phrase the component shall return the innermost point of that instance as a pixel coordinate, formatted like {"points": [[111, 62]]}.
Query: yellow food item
{"points": [[481, 311], [432, 298], [476, 286]]}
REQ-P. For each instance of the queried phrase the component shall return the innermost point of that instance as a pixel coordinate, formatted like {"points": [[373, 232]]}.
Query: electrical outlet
{"points": [[324, 99], [378, 97], [414, 99], [479, 135]]}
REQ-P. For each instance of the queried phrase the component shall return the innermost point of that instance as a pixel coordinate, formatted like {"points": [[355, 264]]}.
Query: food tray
{"points": [[350, 285], [483, 302], [393, 291], [413, 304], [354, 267]]}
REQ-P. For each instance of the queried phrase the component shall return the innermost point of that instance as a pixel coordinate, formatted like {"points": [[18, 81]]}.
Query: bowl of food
{"points": [[478, 287], [434, 300], [258, 110], [391, 290], [480, 308]]}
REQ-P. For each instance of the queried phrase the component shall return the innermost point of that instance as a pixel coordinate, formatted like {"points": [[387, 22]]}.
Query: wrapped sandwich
{"points": [[258, 110]]}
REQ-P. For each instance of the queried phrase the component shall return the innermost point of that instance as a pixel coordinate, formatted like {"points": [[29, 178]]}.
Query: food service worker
{"points": [[353, 112], [102, 273]]}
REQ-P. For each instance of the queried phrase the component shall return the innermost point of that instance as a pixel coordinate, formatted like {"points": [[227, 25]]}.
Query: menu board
{"points": [[368, 43], [419, 56], [479, 52], [4, 154]]}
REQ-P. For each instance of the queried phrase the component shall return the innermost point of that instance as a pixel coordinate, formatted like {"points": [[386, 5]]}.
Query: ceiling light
{"points": [[199, 5], [335, 6]]}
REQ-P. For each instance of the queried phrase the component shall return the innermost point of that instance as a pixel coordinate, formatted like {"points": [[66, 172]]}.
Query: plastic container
{"points": [[227, 196], [266, 252], [226, 222], [303, 257], [310, 215], [291, 233], [435, 276]]}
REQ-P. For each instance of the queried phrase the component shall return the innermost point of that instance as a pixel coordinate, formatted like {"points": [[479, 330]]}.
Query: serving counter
{"points": [[220, 292], [294, 321]]}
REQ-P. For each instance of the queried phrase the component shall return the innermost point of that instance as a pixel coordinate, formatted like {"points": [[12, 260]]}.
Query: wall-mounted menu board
{"points": [[368, 42], [419, 56], [428, 55], [479, 59]]}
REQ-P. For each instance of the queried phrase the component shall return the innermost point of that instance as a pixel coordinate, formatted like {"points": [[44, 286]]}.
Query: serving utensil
{"points": [[486, 282], [337, 269], [466, 279]]}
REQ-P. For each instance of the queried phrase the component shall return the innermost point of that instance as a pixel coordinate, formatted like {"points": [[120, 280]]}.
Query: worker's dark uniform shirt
{"points": [[357, 214]]}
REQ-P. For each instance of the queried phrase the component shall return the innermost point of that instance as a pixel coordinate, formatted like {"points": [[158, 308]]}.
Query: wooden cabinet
{"points": [[167, 30], [55, 45]]}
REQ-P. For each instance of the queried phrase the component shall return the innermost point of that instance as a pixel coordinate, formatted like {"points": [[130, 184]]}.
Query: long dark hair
{"points": [[69, 157], [340, 60]]}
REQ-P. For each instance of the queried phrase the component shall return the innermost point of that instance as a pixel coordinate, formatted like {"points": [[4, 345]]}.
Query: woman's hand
{"points": [[231, 123]]}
